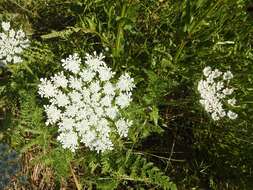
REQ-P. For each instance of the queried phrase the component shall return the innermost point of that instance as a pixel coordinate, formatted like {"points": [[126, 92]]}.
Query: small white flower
{"points": [[219, 85], [207, 71], [72, 63], [70, 110], [82, 126], [8, 58], [95, 98], [125, 83], [53, 114], [123, 127], [215, 116], [20, 34], [210, 79], [75, 83], [86, 95], [6, 26], [220, 95], [60, 99], [232, 115], [228, 91], [88, 138], [123, 100], [99, 111], [47, 89], [107, 101], [12, 33], [222, 114], [216, 73], [232, 101], [94, 62], [227, 75], [111, 112], [60, 80], [17, 59], [66, 124], [105, 73], [75, 97], [95, 87], [109, 89], [18, 50], [68, 140], [93, 119], [87, 75]]}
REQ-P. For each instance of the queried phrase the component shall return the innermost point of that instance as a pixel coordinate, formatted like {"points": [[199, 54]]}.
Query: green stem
{"points": [[179, 51], [120, 33]]}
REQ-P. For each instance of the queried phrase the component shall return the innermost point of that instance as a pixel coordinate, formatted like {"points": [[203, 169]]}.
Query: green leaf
{"points": [[154, 115]]}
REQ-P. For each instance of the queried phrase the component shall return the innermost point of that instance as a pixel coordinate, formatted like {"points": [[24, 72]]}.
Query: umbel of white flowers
{"points": [[12, 44], [85, 102], [215, 91]]}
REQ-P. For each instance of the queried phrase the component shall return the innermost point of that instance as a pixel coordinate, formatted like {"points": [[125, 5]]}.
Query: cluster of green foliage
{"points": [[165, 45]]}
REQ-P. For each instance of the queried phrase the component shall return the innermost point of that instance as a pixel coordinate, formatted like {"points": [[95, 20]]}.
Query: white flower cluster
{"points": [[214, 92], [12, 44], [85, 104]]}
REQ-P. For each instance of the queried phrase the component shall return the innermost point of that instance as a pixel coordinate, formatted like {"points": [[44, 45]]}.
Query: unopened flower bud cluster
{"points": [[85, 102], [216, 93], [12, 44]]}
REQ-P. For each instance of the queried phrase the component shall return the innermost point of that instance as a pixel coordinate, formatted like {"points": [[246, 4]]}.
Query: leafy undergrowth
{"points": [[165, 45]]}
